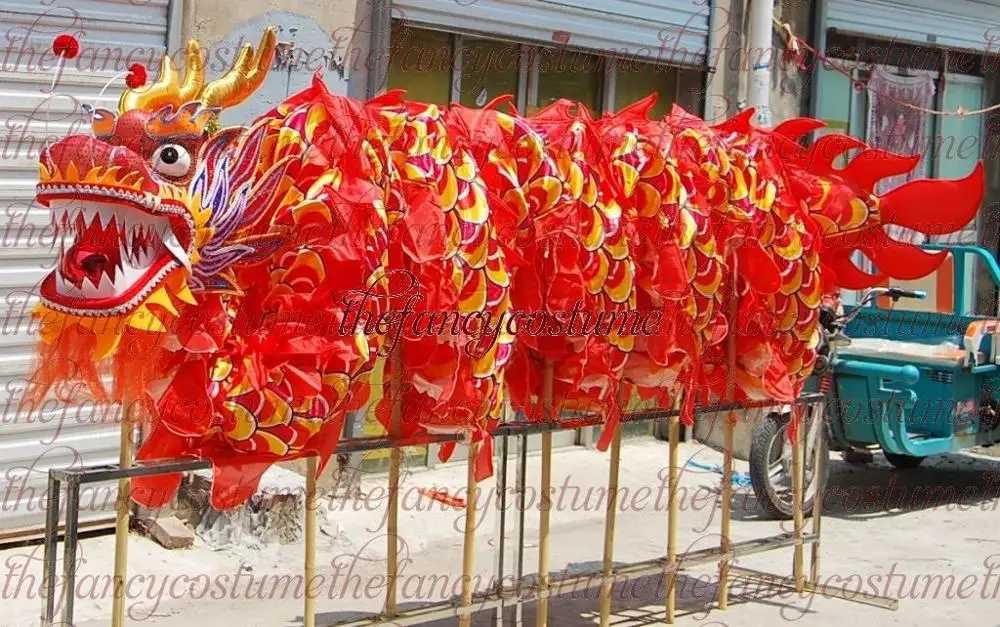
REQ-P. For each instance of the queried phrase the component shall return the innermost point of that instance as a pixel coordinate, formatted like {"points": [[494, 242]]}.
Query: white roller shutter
{"points": [[113, 34], [671, 31], [965, 24]]}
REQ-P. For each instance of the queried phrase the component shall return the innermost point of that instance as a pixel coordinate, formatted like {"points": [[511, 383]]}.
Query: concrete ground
{"points": [[928, 537]]}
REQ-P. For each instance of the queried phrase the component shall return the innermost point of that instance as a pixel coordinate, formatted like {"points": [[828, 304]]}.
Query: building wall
{"points": [[344, 28], [988, 235], [324, 32], [724, 85], [726, 88], [790, 86]]}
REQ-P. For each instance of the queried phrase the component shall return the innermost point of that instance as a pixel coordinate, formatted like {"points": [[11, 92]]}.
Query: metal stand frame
{"points": [[501, 596]]}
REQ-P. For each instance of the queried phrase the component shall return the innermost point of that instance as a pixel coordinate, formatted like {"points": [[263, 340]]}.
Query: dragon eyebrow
{"points": [[174, 136], [103, 122], [189, 120]]}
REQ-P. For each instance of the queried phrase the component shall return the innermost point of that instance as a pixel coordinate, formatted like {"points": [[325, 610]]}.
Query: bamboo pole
{"points": [[469, 548], [520, 480], [797, 565], [726, 494], [817, 512], [727, 514], [673, 514], [395, 460], [122, 515], [611, 510], [309, 611], [545, 498], [501, 463]]}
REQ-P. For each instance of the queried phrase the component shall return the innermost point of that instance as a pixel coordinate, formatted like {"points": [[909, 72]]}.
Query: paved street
{"points": [[927, 537]]}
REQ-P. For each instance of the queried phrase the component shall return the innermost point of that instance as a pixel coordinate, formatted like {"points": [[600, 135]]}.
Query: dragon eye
{"points": [[172, 160]]}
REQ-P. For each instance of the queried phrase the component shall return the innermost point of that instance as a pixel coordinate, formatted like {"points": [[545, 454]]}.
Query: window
{"points": [[569, 74], [489, 69], [950, 149], [691, 91], [637, 79], [439, 67], [421, 62]]}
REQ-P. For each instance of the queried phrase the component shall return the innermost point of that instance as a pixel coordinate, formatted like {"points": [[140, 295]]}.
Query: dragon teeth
{"points": [[93, 218], [119, 309], [88, 289], [107, 215], [107, 287], [172, 244], [65, 287], [104, 288], [141, 238]]}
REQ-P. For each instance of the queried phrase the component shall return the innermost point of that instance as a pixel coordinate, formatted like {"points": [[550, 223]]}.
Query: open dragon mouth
{"points": [[114, 249]]}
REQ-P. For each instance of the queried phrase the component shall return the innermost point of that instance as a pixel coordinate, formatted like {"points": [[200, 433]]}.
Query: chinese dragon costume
{"points": [[233, 282]]}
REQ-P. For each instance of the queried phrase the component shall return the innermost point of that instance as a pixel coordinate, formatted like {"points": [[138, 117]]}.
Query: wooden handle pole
{"points": [[797, 477], [309, 611], [122, 515], [817, 510], [395, 461], [469, 547], [672, 507], [545, 499], [727, 514], [726, 494], [611, 510]]}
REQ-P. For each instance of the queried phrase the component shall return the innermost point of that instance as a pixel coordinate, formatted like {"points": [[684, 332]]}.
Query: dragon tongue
{"points": [[81, 262]]}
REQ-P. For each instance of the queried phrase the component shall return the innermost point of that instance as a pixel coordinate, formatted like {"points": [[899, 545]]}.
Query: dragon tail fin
{"points": [[855, 218]]}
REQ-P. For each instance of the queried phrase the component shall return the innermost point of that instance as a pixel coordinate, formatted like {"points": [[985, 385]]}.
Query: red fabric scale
{"points": [[730, 234]]}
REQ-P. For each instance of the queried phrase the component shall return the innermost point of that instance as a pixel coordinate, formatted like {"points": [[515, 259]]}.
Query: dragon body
{"points": [[240, 284]]}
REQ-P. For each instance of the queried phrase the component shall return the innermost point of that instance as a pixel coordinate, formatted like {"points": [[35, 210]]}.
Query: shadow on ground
{"points": [[635, 602], [873, 490]]}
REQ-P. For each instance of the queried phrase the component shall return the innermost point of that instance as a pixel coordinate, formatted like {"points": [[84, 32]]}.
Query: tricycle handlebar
{"points": [[895, 292]]}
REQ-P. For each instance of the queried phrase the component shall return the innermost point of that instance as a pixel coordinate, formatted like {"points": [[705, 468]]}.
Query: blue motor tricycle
{"points": [[911, 383]]}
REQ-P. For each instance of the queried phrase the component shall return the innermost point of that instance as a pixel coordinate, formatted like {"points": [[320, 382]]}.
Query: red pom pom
{"points": [[66, 46], [136, 76]]}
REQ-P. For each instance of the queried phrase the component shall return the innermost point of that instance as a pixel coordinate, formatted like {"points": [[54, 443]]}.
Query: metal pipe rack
{"points": [[501, 597]]}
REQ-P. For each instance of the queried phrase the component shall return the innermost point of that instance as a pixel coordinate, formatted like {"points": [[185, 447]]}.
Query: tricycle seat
{"points": [[942, 355]]}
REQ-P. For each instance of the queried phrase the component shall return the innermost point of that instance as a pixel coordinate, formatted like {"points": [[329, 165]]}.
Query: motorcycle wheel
{"points": [[771, 466]]}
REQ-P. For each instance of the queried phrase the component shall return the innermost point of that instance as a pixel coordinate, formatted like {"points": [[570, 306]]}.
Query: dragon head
{"points": [[851, 217], [126, 201], [144, 208]]}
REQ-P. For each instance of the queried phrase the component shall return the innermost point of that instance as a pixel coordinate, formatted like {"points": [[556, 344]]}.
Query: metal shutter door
{"points": [[672, 31], [113, 34], [955, 23]]}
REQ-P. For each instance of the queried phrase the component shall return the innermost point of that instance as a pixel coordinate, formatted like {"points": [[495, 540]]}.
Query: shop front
{"points": [[890, 66], [605, 55]]}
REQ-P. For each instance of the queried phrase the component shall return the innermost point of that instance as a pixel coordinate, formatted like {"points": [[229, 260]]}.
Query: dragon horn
{"points": [[244, 77], [194, 72], [166, 90]]}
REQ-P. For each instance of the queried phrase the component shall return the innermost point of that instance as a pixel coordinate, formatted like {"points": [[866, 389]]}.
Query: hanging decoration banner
{"points": [[895, 127]]}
